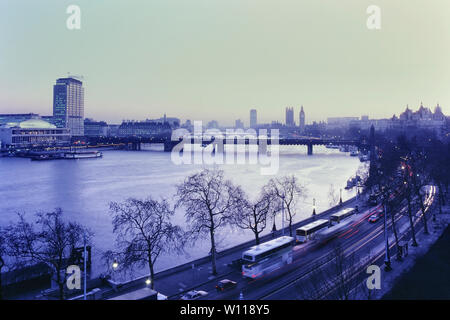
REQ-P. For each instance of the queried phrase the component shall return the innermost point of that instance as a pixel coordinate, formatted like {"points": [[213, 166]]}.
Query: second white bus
{"points": [[307, 232], [267, 257], [339, 216]]}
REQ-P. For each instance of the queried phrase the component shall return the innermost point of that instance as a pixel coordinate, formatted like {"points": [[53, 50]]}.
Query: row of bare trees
{"points": [[211, 202], [400, 172], [407, 166], [144, 229]]}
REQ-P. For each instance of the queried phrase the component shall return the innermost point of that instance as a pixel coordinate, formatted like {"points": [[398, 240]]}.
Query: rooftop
{"points": [[31, 124]]}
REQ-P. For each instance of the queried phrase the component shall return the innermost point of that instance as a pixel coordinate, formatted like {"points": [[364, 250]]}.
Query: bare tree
{"points": [[345, 269], [439, 155], [408, 192], [333, 196], [419, 179], [289, 192], [363, 173], [385, 177], [52, 243], [334, 278], [143, 231], [210, 202], [253, 215], [315, 285]]}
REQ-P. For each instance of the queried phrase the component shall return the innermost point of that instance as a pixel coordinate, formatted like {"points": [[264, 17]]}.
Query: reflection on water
{"points": [[84, 188]]}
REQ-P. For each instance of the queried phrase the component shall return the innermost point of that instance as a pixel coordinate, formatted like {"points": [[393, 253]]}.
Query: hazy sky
{"points": [[216, 59]]}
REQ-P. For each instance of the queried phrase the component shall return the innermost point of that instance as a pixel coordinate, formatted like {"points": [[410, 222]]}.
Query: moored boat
{"points": [[82, 154]]}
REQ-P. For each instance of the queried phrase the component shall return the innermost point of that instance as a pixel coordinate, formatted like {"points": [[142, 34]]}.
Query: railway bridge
{"points": [[135, 143]]}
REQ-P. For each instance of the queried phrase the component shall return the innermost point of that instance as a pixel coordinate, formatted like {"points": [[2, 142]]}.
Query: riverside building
{"points": [[33, 133]]}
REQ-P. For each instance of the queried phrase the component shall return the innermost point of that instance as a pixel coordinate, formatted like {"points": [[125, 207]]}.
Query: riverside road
{"points": [[361, 240]]}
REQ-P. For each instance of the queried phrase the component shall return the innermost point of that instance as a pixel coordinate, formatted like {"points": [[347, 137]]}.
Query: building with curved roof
{"points": [[33, 132], [36, 124]]}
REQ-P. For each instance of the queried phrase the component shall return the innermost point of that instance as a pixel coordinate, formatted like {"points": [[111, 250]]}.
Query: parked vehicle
{"points": [[194, 294], [226, 284]]}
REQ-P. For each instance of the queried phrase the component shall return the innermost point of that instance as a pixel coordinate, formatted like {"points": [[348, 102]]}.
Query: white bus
{"points": [[267, 257], [339, 216], [307, 232]]}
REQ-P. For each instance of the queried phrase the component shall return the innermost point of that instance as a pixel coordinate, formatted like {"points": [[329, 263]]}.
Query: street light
{"points": [[274, 229], [84, 260], [148, 281], [282, 215], [314, 206], [115, 265]]}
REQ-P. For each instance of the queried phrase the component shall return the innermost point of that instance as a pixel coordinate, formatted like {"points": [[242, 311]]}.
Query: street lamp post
{"points": [[340, 197], [282, 215], [84, 261], [314, 206], [274, 228], [115, 265]]}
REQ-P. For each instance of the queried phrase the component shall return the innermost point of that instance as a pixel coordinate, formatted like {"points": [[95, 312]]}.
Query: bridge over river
{"points": [[135, 143]]}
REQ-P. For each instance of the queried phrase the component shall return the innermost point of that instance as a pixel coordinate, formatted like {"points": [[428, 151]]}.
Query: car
{"points": [[225, 284], [193, 295]]}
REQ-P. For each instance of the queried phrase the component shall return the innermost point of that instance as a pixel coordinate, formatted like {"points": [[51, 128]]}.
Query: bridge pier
{"points": [[168, 146], [310, 149]]}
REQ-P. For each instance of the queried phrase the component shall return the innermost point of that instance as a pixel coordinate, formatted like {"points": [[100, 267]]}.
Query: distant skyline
{"points": [[203, 60]]}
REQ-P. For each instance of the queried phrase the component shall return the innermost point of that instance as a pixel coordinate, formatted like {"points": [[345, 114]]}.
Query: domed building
{"points": [[33, 132]]}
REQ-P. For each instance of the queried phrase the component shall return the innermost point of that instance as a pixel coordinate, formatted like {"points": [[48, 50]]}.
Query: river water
{"points": [[84, 188]]}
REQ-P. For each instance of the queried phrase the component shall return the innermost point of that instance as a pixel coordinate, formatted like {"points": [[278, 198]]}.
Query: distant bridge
{"points": [[134, 143]]}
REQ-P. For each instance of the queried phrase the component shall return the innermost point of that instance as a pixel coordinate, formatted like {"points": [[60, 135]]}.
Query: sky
{"points": [[217, 59]]}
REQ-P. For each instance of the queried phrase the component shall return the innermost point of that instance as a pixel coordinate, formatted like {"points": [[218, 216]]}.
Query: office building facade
{"points": [[253, 118], [68, 105]]}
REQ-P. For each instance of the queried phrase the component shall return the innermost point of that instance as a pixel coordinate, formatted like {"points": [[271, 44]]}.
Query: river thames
{"points": [[84, 188]]}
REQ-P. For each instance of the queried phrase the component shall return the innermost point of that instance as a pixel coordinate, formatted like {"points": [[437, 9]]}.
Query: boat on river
{"points": [[82, 155], [61, 155]]}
